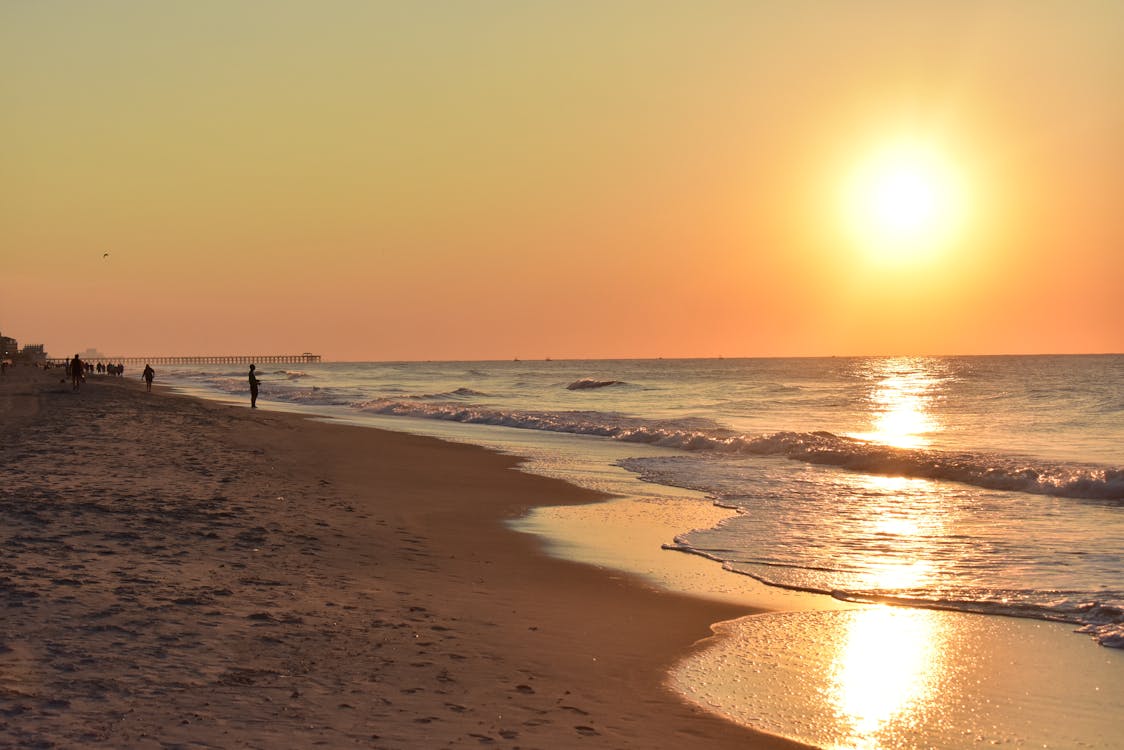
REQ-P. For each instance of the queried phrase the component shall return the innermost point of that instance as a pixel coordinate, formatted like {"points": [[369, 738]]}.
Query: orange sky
{"points": [[476, 180]]}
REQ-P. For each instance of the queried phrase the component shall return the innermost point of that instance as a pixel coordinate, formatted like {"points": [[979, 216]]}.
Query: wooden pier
{"points": [[228, 359]]}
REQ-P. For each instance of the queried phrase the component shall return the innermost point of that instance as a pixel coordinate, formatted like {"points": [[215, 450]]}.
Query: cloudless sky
{"points": [[501, 178]]}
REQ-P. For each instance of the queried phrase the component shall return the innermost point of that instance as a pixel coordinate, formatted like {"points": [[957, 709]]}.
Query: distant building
{"points": [[9, 347], [10, 351], [91, 355], [33, 353]]}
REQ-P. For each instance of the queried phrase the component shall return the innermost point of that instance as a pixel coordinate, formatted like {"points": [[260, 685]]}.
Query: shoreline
{"points": [[244, 577]]}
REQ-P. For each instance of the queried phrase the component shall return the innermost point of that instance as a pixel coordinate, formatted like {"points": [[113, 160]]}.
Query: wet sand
{"points": [[181, 572]]}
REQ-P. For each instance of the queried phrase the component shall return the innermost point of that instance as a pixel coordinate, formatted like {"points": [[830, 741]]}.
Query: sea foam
{"points": [[979, 469]]}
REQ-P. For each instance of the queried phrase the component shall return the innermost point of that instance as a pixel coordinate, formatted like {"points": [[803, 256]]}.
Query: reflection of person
{"points": [[148, 375], [253, 387], [76, 367]]}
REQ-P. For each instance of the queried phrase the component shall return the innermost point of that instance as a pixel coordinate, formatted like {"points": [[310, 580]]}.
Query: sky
{"points": [[489, 179]]}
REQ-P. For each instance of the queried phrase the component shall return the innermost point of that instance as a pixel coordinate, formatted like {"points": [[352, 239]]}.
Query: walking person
{"points": [[148, 375], [76, 368], [253, 387]]}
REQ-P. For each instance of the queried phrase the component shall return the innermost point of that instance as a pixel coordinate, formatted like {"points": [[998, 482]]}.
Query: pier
{"points": [[228, 359]]}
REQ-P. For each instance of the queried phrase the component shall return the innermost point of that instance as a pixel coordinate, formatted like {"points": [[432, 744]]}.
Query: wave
{"points": [[978, 469], [586, 384], [447, 395]]}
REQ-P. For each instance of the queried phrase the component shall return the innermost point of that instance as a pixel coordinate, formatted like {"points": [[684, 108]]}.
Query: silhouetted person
{"points": [[253, 387], [76, 368], [148, 375]]}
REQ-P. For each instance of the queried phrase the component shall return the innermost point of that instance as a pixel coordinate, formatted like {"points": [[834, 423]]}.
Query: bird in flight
{"points": [[104, 256]]}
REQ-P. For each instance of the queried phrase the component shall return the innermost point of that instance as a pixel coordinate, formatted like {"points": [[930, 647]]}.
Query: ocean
{"points": [[992, 485]]}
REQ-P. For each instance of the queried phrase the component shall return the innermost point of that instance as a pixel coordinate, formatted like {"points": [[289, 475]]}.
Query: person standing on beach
{"points": [[76, 368], [253, 387], [148, 375]]}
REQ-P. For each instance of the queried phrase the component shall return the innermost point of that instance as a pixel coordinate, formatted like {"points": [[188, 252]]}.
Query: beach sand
{"points": [[176, 572]]}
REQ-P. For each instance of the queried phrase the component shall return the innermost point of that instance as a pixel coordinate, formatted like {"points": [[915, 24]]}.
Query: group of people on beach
{"points": [[77, 370]]}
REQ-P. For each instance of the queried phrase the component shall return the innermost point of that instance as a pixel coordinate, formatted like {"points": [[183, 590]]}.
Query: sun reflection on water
{"points": [[887, 678], [886, 673], [901, 402], [897, 535], [896, 575]]}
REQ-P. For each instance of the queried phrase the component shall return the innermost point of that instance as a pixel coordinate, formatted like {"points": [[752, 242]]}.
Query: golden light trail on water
{"points": [[887, 666]]}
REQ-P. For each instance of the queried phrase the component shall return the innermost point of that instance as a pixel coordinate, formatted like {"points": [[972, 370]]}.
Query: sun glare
{"points": [[904, 200]]}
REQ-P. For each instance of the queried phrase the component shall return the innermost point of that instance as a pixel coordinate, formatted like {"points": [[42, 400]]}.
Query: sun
{"points": [[904, 200]]}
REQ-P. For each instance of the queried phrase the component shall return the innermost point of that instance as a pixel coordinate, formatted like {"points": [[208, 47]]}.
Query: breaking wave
{"points": [[454, 394], [978, 469], [586, 384]]}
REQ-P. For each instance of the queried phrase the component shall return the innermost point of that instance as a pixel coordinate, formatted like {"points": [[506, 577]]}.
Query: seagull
{"points": [[104, 256]]}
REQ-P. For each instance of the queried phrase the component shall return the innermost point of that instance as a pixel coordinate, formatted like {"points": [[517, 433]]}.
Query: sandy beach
{"points": [[181, 573]]}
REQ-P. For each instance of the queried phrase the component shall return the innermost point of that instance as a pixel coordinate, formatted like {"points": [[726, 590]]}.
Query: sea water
{"points": [[979, 484]]}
